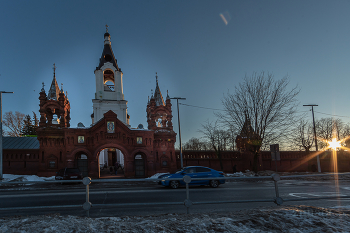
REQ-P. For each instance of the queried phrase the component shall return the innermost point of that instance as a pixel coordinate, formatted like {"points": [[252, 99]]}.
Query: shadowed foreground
{"points": [[279, 219]]}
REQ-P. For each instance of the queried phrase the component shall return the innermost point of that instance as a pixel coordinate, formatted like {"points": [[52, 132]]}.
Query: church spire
{"points": [[54, 89], [107, 54], [157, 94], [107, 36]]}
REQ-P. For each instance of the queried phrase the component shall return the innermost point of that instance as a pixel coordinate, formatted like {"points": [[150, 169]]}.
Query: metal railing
{"points": [[187, 202]]}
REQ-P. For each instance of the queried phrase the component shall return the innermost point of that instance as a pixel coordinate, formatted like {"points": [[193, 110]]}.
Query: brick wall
{"points": [[299, 161]]}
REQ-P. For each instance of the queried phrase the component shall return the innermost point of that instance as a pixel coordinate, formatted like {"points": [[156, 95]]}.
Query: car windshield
{"points": [[73, 170], [187, 170]]}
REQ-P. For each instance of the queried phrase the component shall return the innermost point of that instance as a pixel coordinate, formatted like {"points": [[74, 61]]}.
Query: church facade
{"points": [[144, 151]]}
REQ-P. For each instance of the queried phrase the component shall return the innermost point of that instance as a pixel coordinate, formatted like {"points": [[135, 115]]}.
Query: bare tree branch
{"points": [[267, 105], [219, 138], [303, 135], [13, 123]]}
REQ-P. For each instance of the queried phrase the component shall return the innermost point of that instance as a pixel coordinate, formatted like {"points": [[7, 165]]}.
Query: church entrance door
{"points": [[139, 166], [82, 164]]}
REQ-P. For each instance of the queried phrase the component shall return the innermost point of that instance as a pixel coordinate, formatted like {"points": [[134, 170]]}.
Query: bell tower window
{"points": [[108, 57], [108, 80]]}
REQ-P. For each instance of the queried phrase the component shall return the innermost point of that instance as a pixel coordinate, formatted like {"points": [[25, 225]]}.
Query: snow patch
{"points": [[279, 219], [11, 177]]}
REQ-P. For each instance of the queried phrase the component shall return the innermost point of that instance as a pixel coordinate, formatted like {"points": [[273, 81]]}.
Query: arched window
{"points": [[108, 80]]}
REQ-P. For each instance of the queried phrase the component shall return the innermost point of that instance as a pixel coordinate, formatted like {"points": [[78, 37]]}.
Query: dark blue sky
{"points": [[196, 55]]}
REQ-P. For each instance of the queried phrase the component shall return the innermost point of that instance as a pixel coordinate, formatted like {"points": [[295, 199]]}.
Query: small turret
{"points": [[55, 107], [158, 95], [54, 89], [159, 114]]}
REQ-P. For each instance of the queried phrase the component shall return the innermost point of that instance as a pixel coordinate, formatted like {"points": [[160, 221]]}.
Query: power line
{"points": [[202, 107], [331, 114], [216, 109]]}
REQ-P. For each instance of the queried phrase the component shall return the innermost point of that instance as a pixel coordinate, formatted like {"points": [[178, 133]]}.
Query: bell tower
{"points": [[159, 119], [159, 114], [54, 107], [109, 86]]}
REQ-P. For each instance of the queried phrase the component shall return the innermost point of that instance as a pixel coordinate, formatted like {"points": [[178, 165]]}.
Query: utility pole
{"points": [[313, 119], [1, 175], [178, 118]]}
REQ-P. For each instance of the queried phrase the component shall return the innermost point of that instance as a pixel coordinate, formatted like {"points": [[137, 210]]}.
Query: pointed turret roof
{"points": [[107, 54], [54, 89], [247, 129], [158, 95]]}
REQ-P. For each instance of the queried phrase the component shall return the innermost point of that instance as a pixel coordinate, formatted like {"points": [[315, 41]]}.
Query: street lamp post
{"points": [[1, 175], [178, 118], [313, 120]]}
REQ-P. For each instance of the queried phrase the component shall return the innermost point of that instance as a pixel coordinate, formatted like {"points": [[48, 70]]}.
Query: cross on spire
{"points": [[106, 27], [54, 69]]}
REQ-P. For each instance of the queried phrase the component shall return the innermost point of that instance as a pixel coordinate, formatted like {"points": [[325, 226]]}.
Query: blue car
{"points": [[194, 172]]}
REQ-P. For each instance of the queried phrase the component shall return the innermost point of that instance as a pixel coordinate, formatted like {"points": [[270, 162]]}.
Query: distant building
{"points": [[247, 137]]}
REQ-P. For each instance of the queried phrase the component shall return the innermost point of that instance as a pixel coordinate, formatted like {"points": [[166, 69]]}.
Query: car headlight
{"points": [[164, 177]]}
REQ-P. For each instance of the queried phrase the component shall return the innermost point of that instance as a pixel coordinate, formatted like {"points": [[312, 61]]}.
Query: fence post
{"points": [[87, 205], [187, 202], [276, 178]]}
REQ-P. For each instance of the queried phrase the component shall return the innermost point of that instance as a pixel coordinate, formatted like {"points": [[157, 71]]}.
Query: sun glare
{"points": [[334, 144]]}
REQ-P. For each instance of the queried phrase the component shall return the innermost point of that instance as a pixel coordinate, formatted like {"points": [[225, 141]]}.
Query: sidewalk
{"points": [[106, 174]]}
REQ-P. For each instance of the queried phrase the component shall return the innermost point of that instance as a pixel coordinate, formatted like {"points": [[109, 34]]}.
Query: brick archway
{"points": [[101, 147]]}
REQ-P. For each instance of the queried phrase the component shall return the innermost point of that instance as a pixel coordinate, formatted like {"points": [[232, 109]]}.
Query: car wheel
{"points": [[174, 184], [214, 183]]}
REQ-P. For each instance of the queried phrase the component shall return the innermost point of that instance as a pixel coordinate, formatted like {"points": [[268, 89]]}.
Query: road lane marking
{"points": [[316, 194]]}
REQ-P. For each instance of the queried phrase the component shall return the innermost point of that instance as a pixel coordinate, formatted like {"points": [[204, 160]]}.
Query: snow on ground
{"points": [[278, 219], [10, 177]]}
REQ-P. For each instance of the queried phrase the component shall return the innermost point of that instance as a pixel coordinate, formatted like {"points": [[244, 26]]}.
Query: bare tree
{"points": [[218, 137], [266, 104], [329, 128], [303, 135], [13, 123], [346, 136], [196, 144]]}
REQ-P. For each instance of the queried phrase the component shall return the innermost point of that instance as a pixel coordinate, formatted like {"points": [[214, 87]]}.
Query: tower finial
{"points": [[43, 89], [157, 78], [62, 88], [107, 28], [54, 70]]}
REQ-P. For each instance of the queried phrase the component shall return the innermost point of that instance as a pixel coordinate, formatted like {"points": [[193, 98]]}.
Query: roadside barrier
{"points": [[87, 205]]}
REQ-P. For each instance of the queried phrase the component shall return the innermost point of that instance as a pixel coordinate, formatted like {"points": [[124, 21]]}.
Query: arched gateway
{"points": [[145, 151]]}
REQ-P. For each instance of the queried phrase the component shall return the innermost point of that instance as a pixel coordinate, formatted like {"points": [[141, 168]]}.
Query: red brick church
{"points": [[110, 138]]}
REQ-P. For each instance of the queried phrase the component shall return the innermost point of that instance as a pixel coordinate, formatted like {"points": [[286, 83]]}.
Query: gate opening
{"points": [[111, 162], [82, 163], [139, 166]]}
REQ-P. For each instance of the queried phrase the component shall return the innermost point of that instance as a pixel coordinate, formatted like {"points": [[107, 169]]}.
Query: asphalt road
{"points": [[137, 198]]}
